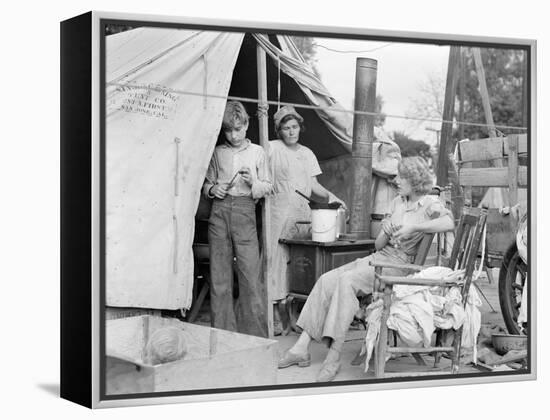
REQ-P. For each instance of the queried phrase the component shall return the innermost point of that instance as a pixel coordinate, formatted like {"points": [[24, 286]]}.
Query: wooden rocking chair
{"points": [[463, 256]]}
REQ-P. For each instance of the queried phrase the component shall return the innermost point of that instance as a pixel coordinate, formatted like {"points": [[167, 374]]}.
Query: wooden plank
{"points": [[467, 190], [412, 267], [266, 216], [522, 144], [484, 91], [446, 169], [525, 90], [418, 349], [416, 281], [512, 356], [447, 143], [461, 91], [489, 148], [115, 313], [481, 150], [432, 372], [491, 177], [513, 169]]}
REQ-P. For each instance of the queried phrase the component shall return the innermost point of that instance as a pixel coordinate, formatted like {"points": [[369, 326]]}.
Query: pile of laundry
{"points": [[416, 311]]}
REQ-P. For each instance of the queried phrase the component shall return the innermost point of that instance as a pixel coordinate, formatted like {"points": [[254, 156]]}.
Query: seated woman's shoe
{"points": [[289, 359], [328, 371]]}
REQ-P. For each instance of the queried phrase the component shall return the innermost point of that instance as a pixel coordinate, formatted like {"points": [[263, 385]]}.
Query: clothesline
{"points": [[352, 51], [313, 107]]}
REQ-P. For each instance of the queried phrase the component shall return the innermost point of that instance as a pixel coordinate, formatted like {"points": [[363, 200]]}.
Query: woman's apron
{"points": [[290, 172]]}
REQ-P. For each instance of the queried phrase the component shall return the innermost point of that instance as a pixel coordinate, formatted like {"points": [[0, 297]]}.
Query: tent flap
{"points": [[166, 94], [338, 120]]}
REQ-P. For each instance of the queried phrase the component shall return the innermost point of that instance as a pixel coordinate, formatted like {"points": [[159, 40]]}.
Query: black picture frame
{"points": [[83, 219]]}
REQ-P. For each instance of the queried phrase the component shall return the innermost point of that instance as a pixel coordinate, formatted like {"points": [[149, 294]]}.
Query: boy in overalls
{"points": [[236, 179]]}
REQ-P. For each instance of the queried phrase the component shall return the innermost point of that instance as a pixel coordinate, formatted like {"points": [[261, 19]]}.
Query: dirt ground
{"points": [[490, 317]]}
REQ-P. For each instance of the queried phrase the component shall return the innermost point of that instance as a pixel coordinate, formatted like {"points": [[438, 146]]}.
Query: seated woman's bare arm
{"points": [[442, 224]]}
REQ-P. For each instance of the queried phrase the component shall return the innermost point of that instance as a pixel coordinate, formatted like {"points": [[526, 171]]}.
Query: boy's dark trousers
{"points": [[232, 233]]}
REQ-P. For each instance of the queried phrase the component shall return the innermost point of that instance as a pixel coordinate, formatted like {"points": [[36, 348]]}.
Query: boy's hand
{"points": [[220, 190], [246, 175]]}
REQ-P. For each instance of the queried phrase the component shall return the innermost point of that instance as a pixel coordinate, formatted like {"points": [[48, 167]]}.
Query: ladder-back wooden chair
{"points": [[463, 256], [419, 260]]}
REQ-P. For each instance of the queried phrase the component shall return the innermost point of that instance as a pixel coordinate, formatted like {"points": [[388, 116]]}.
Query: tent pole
{"points": [[361, 153], [264, 142], [485, 99]]}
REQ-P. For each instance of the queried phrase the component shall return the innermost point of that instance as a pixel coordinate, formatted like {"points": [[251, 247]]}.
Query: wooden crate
{"points": [[214, 359]]}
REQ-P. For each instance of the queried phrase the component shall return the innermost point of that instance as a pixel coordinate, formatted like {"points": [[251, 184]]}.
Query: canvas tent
{"points": [[166, 90]]}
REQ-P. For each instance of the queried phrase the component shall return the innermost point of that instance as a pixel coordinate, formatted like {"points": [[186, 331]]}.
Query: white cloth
{"points": [[416, 311]]}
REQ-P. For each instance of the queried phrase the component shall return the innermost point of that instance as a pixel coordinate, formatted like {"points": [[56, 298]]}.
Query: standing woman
{"points": [[293, 167]]}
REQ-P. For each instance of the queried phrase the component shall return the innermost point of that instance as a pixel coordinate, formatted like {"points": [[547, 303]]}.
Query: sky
{"points": [[402, 68]]}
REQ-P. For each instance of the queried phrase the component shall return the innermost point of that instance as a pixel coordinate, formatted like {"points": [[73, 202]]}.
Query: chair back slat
{"points": [[466, 246], [424, 248], [468, 239], [472, 254], [463, 237]]}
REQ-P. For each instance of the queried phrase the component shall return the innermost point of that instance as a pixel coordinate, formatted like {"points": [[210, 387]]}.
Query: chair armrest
{"points": [[412, 267], [418, 281]]}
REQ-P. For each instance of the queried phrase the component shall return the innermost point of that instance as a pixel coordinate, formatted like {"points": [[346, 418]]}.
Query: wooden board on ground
{"points": [[214, 358], [116, 313]]}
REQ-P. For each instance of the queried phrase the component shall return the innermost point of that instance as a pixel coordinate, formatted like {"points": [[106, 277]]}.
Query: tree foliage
{"points": [[429, 101], [306, 46], [380, 118], [504, 74], [411, 147]]}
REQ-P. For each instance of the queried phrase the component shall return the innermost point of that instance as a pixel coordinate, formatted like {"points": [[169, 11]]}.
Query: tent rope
{"points": [[262, 110], [315, 107]]}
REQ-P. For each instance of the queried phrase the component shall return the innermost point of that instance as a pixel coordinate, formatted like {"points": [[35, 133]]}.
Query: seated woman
{"points": [[332, 303]]}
